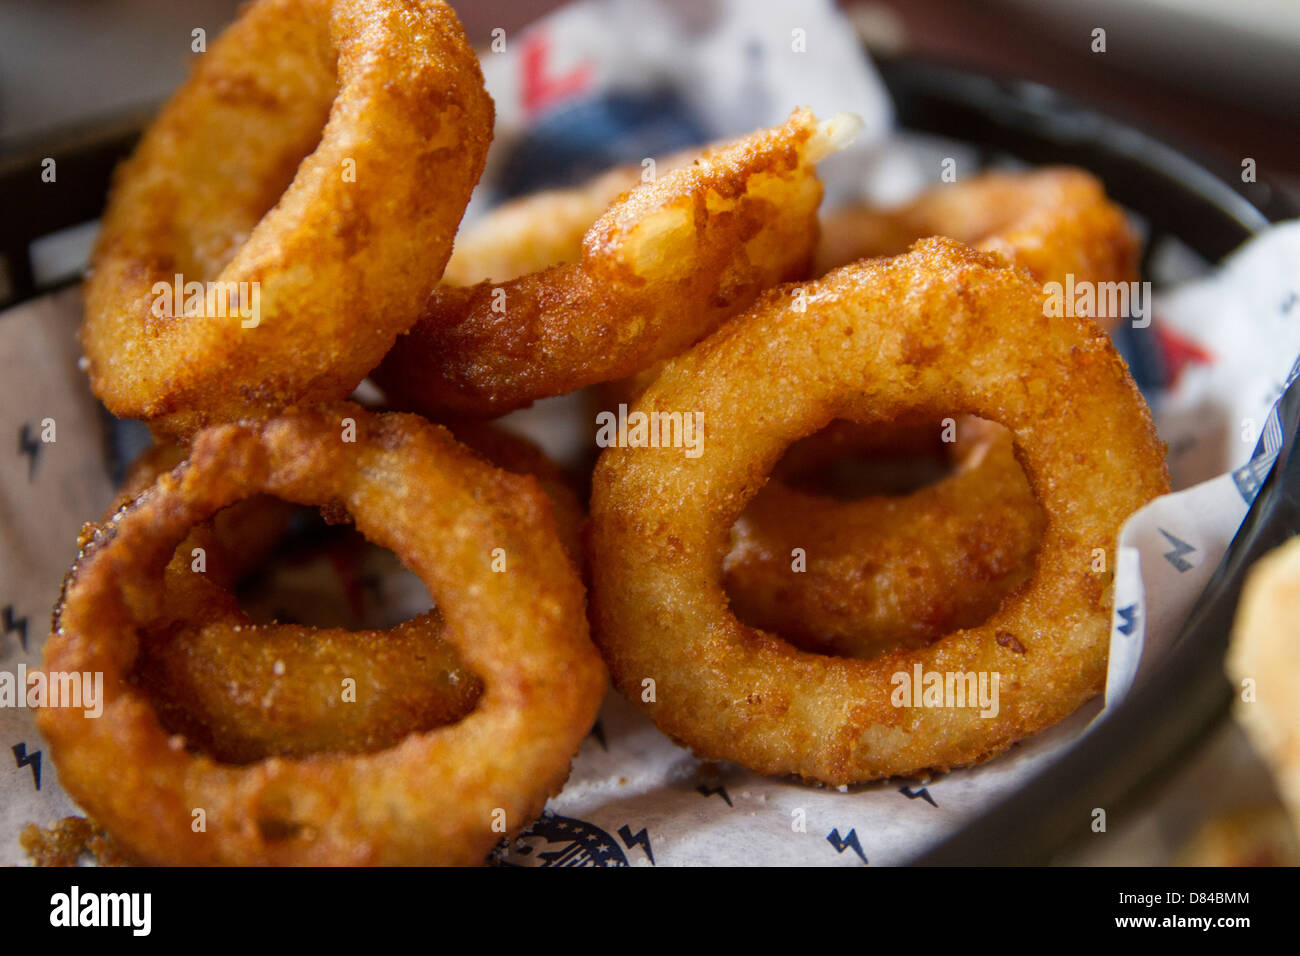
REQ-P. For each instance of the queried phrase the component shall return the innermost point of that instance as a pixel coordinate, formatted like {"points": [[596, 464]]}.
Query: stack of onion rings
{"points": [[943, 330], [431, 798]]}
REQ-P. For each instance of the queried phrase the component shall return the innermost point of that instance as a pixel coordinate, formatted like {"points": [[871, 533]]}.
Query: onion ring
{"points": [[660, 269], [942, 329], [241, 698], [343, 259], [898, 572], [239, 692], [1055, 221], [433, 797], [888, 572]]}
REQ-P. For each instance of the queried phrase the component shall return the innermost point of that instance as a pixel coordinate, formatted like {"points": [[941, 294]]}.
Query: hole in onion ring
{"points": [[318, 650], [329, 575], [847, 461], [881, 538], [273, 828]]}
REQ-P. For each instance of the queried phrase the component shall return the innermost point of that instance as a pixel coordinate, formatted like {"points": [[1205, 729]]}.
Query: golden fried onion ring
{"points": [[942, 329], [1054, 221], [898, 572], [433, 797], [660, 269], [356, 233], [240, 693]]}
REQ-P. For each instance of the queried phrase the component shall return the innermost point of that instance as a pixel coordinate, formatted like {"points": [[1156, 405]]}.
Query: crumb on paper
{"points": [[66, 841]]}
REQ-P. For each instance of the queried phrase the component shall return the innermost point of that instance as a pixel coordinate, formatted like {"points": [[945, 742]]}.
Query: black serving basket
{"points": [[1177, 196]]}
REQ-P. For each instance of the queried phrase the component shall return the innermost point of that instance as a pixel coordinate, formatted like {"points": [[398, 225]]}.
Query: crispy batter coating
{"points": [[1266, 650], [385, 101], [888, 572], [1052, 221], [661, 268], [432, 797], [240, 692], [942, 329], [519, 456]]}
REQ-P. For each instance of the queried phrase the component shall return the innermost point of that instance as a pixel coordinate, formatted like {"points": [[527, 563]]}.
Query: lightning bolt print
{"points": [[706, 791], [14, 624], [29, 445], [26, 759], [923, 793], [641, 839], [1177, 557], [1129, 616], [849, 842]]}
